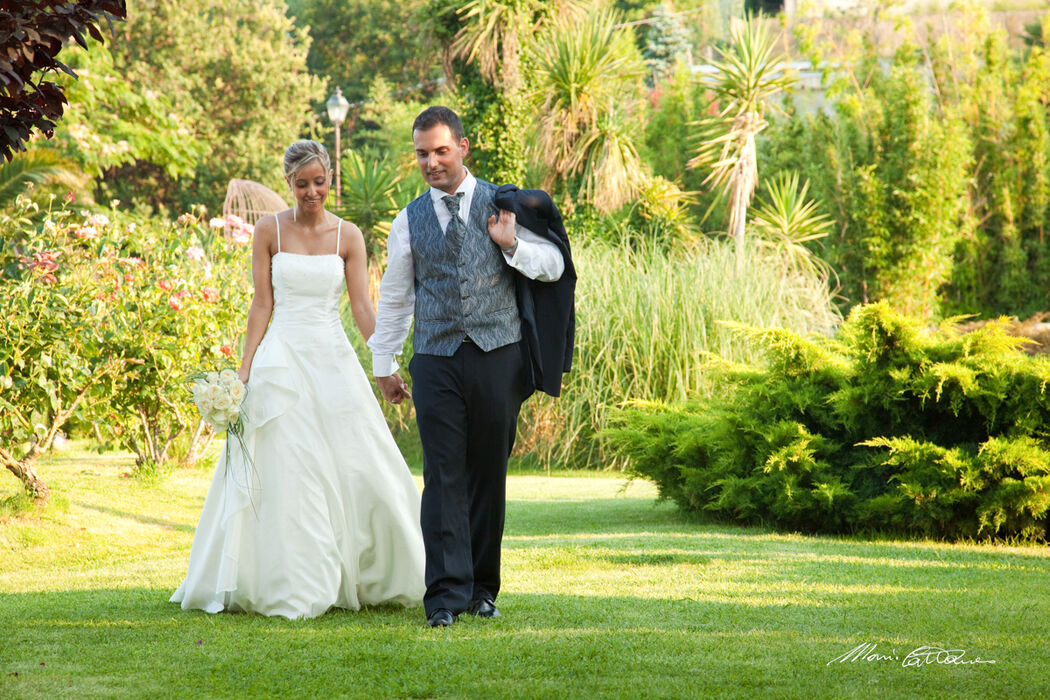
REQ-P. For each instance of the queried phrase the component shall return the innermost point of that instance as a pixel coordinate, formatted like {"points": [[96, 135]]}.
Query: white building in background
{"points": [[809, 8]]}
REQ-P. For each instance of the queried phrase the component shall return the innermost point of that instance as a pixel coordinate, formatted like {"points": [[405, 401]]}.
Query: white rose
{"points": [[237, 391], [233, 416], [212, 392], [218, 422], [213, 377], [223, 403], [228, 376]]}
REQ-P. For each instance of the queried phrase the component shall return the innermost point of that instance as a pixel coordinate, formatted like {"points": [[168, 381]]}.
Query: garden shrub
{"points": [[935, 164], [104, 318], [645, 317], [58, 354], [885, 427]]}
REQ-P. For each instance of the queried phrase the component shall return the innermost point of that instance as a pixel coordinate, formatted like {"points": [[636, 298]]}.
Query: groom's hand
{"points": [[501, 229], [393, 388]]}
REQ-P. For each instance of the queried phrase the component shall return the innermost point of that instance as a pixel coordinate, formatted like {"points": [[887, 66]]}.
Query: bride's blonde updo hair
{"points": [[302, 153]]}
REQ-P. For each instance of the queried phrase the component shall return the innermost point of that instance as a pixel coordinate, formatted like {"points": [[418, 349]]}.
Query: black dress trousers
{"points": [[467, 412]]}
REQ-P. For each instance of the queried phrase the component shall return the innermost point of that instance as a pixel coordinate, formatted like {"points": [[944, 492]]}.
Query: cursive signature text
{"points": [[917, 658]]}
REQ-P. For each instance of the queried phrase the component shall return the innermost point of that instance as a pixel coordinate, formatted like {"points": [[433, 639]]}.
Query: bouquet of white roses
{"points": [[219, 396]]}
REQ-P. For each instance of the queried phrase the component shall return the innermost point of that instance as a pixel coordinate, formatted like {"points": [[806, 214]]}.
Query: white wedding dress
{"points": [[328, 514]]}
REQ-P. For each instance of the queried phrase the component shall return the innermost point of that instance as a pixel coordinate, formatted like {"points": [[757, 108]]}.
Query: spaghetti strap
{"points": [[277, 220], [338, 232]]}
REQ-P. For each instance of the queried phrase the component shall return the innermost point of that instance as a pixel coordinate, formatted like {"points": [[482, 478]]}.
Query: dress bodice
{"points": [[306, 291]]}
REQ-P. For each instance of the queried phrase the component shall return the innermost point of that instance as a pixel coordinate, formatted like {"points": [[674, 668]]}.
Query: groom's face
{"points": [[440, 157]]}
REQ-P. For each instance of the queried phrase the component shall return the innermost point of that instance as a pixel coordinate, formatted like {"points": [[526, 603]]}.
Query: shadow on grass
{"points": [[626, 522], [144, 519]]}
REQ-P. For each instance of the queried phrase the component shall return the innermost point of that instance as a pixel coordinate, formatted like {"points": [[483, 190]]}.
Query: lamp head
{"points": [[337, 107]]}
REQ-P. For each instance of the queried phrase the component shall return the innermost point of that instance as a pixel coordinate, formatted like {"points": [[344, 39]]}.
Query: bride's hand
{"points": [[393, 388], [242, 374]]}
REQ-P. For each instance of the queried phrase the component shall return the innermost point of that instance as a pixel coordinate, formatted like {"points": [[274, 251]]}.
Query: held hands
{"points": [[393, 388], [501, 230]]}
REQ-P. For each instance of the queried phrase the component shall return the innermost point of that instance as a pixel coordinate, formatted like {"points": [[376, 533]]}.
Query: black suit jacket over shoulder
{"points": [[547, 309]]}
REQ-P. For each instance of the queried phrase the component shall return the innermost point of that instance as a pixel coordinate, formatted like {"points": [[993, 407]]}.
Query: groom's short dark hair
{"points": [[439, 114]]}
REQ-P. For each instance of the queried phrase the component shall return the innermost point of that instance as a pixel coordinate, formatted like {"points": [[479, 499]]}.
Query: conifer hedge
{"points": [[887, 427]]}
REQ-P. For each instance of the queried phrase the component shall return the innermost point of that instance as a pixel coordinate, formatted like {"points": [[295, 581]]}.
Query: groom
{"points": [[452, 259]]}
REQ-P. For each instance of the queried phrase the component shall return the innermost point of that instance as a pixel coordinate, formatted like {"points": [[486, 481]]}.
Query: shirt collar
{"points": [[466, 187]]}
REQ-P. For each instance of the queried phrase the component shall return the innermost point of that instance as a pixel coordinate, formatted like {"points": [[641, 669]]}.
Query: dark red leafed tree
{"points": [[32, 32]]}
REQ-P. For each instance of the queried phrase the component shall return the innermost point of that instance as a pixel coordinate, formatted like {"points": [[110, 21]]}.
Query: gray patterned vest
{"points": [[464, 295]]}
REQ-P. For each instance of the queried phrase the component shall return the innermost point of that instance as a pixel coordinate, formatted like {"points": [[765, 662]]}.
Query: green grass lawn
{"points": [[606, 594]]}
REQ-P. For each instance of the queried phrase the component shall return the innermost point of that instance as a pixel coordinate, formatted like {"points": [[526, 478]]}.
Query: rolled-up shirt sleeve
{"points": [[397, 298], [536, 257]]}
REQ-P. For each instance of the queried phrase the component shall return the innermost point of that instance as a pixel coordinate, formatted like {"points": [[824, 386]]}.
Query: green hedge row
{"points": [[887, 427]]}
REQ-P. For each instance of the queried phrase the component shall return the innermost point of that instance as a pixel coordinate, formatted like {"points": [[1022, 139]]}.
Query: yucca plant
{"points": [[585, 78], [39, 166], [493, 32], [370, 195], [786, 221], [607, 159], [747, 76]]}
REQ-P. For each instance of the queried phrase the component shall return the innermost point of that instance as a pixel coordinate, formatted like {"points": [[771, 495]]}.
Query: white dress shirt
{"points": [[536, 258]]}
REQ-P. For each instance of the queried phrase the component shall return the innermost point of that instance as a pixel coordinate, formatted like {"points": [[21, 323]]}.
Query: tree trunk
{"points": [[202, 437], [23, 469]]}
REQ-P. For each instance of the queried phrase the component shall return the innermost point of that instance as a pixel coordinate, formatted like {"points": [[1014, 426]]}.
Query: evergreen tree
{"points": [[666, 42]]}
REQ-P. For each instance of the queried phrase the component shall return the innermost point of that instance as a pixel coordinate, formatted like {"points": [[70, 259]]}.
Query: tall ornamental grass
{"points": [[644, 321]]}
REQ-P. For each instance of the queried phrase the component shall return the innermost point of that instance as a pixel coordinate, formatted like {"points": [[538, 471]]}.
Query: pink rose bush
{"points": [[124, 309], [240, 231]]}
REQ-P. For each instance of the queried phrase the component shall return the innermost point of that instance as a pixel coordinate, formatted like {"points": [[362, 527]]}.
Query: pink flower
{"points": [[195, 253], [216, 222], [165, 285], [234, 221], [175, 303], [181, 294], [210, 294], [88, 233], [185, 219], [227, 351], [70, 196], [99, 220], [128, 277]]}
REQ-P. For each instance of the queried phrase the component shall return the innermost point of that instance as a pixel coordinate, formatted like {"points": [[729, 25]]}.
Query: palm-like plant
{"points": [[492, 33], [40, 166], [746, 77], [370, 195], [608, 160], [785, 220], [583, 96]]}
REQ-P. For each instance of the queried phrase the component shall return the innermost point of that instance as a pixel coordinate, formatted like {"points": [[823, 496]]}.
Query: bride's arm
{"points": [[262, 300], [356, 270]]}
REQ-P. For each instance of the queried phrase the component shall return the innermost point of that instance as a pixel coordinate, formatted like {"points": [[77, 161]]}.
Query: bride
{"points": [[315, 508]]}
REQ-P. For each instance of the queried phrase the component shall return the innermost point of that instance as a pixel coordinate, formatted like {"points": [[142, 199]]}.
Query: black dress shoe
{"points": [[440, 618], [484, 608]]}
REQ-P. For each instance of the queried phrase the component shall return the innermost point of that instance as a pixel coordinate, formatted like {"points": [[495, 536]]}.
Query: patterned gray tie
{"points": [[454, 232]]}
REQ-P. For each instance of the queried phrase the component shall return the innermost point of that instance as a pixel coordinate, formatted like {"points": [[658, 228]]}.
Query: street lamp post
{"points": [[337, 109]]}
